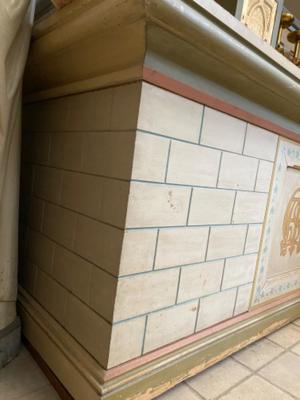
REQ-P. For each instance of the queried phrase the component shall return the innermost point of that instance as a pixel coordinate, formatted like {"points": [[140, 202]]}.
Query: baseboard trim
{"points": [[85, 379], [73, 366], [10, 342]]}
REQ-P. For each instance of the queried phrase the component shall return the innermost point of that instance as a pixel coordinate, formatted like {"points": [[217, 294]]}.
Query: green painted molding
{"points": [[84, 378]]}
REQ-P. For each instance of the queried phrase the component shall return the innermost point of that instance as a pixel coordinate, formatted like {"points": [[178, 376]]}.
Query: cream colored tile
{"points": [[73, 272], [286, 336], [51, 295], [140, 294], [264, 176], [237, 172], [59, 224], [152, 205], [226, 241], [249, 207], [243, 299], [66, 150], [256, 388], [126, 341], [253, 238], [216, 308], [82, 193], [222, 131], [91, 331], [46, 393], [166, 326], [21, 377], [50, 115], [179, 392], [98, 243], [27, 276], [39, 149], [90, 111], [108, 153], [35, 213], [219, 378], [258, 354], [99, 198], [113, 207], [125, 106], [200, 280], [181, 118], [48, 183], [296, 349], [102, 293], [239, 271], [211, 206], [284, 372], [191, 164], [138, 251], [297, 322], [150, 157], [260, 143], [40, 250], [181, 246]]}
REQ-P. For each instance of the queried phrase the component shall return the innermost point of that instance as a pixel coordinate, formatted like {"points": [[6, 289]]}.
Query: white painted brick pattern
{"points": [[169, 114], [181, 246], [222, 131]]}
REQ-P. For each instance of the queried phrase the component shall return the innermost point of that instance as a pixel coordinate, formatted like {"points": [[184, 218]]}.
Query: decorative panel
{"points": [[278, 270], [259, 16]]}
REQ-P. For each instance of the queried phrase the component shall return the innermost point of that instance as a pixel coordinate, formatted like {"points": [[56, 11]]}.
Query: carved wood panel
{"points": [[259, 16]]}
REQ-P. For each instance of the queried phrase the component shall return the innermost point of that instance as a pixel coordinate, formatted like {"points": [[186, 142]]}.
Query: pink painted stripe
{"points": [[137, 362], [158, 79]]}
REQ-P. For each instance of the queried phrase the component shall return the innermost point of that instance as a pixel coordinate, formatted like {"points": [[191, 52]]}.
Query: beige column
{"points": [[16, 18]]}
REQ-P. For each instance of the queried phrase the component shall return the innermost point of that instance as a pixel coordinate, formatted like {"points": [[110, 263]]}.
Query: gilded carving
{"points": [[259, 16], [291, 226]]}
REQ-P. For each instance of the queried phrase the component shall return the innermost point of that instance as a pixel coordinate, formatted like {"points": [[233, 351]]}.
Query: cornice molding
{"points": [[73, 48]]}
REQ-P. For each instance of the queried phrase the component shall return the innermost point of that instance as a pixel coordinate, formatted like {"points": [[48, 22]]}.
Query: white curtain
{"points": [[16, 19]]}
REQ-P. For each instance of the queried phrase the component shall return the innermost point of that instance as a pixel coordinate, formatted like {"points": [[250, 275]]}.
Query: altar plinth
{"points": [[151, 138]]}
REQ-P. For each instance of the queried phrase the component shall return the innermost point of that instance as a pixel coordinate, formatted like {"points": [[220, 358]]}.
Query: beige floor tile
{"points": [[256, 388], [287, 336], [258, 354], [216, 380], [21, 377], [296, 349], [297, 322], [285, 373], [47, 393], [180, 392]]}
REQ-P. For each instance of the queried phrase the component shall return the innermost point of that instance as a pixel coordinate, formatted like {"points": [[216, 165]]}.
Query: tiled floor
{"points": [[266, 370]]}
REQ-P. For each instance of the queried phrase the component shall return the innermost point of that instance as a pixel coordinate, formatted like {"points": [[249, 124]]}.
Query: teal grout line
{"points": [[155, 249], [245, 137], [204, 145], [168, 160], [190, 185], [184, 265], [246, 238], [201, 124], [144, 335], [189, 207]]}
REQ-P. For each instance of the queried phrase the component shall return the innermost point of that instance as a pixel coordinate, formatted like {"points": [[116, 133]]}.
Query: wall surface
{"points": [[198, 196], [77, 161]]}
